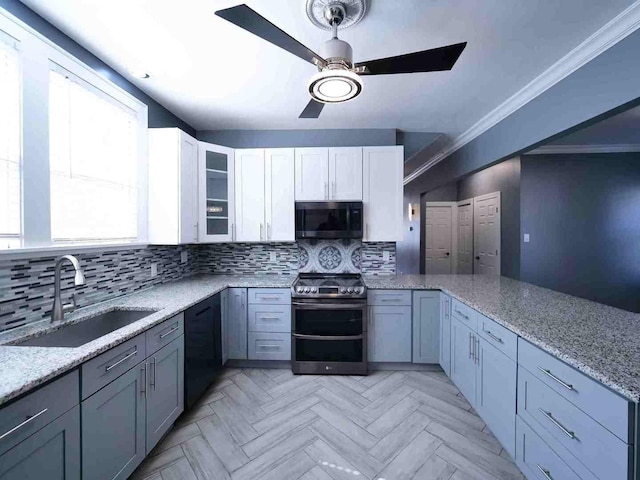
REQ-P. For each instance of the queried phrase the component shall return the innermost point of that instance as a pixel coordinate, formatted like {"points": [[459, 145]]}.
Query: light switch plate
{"points": [[184, 256], [272, 256], [154, 270], [526, 238], [385, 255]]}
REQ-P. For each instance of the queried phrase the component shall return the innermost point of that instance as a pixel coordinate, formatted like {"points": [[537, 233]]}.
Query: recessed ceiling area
{"points": [[216, 76]]}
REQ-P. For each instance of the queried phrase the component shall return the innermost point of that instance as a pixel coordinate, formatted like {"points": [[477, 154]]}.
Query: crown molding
{"points": [[611, 33], [560, 149]]}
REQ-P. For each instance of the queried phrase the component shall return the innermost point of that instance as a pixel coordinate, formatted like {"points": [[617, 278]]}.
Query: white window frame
{"points": [[37, 53]]}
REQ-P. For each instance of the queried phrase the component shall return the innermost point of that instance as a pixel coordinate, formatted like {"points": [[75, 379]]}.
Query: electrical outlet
{"points": [[385, 255], [272, 256], [526, 238], [184, 256], [154, 270]]}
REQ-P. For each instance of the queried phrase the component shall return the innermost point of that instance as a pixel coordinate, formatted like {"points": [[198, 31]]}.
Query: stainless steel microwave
{"points": [[329, 219]]}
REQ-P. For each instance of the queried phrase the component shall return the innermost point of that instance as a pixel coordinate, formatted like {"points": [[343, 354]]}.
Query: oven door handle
{"points": [[328, 306], [327, 337]]}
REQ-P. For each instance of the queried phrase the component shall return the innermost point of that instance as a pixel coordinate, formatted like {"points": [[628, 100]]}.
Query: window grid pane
{"points": [[10, 148], [93, 152]]}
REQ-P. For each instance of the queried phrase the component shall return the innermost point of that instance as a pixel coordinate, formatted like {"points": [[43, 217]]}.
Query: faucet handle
{"points": [[70, 307]]}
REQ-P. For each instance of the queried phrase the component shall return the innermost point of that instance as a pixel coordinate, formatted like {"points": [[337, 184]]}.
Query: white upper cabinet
{"points": [[312, 174], [345, 173], [215, 193], [250, 198], [279, 194], [383, 193], [173, 187], [264, 195]]}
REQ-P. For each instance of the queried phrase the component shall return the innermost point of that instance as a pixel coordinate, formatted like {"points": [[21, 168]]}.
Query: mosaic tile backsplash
{"points": [[26, 285]]}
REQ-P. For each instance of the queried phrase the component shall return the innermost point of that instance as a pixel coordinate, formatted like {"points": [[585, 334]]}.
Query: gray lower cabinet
{"points": [[463, 368], [445, 333], [495, 401], [237, 323], [113, 427], [426, 326], [389, 334], [165, 391], [53, 452], [224, 324]]}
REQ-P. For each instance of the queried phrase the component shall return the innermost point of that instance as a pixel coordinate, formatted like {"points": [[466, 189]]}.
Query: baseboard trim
{"points": [[373, 366]]}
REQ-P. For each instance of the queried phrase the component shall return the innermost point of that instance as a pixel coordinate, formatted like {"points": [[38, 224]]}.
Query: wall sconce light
{"points": [[410, 212]]}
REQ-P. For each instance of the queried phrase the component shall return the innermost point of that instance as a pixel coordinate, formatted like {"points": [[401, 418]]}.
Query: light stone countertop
{"points": [[600, 341], [24, 368]]}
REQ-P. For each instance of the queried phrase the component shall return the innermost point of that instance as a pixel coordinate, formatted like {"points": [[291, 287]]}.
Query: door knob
{"points": [[477, 258], [447, 254]]}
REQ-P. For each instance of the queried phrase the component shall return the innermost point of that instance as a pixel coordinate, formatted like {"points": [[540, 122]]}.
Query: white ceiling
{"points": [[214, 75]]}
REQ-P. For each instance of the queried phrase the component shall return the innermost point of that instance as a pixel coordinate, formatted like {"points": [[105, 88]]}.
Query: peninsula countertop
{"points": [[598, 340]]}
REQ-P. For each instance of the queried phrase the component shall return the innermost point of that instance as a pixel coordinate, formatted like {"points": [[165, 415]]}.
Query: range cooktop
{"points": [[324, 285]]}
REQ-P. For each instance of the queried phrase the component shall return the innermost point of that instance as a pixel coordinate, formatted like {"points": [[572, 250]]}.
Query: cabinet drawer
{"points": [[596, 447], [389, 297], [270, 318], [273, 296], [503, 339], [99, 371], [29, 414], [269, 346], [164, 333], [611, 410], [538, 461], [465, 314]]}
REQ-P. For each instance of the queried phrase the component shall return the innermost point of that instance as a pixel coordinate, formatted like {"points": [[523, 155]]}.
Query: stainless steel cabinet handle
{"points": [[546, 473], [333, 190], [123, 359], [270, 318], [20, 425], [497, 339], [153, 375], [326, 190], [462, 314], [233, 232], [143, 384], [476, 353], [277, 347], [268, 231], [568, 433], [552, 376], [260, 231], [470, 347], [166, 334], [265, 297]]}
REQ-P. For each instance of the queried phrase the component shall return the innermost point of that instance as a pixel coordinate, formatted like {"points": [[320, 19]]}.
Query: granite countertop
{"points": [[24, 368], [600, 341]]}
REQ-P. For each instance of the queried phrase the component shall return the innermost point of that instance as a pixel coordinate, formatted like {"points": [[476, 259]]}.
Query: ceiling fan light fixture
{"points": [[335, 85]]}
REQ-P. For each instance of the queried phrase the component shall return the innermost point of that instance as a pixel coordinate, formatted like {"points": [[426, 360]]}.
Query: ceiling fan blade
{"points": [[245, 17], [434, 60], [312, 110]]}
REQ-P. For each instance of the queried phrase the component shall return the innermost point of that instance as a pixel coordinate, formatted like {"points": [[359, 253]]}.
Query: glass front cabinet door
{"points": [[215, 206]]}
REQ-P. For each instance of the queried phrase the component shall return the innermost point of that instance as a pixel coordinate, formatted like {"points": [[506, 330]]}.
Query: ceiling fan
{"points": [[338, 78]]}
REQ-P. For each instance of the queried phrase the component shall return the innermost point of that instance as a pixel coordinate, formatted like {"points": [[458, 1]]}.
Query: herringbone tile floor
{"points": [[268, 424]]}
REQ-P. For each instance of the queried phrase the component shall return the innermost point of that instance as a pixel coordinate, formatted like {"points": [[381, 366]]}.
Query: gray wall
{"points": [[583, 215], [504, 178], [299, 138], [159, 116], [595, 91]]}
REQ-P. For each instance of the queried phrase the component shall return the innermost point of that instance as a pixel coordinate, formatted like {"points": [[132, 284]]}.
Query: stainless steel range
{"points": [[329, 324]]}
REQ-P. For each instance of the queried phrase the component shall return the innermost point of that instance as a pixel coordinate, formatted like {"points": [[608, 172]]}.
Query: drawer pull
{"points": [[389, 299], [568, 433], [546, 473], [462, 314], [123, 359], [270, 318], [19, 426], [277, 347], [273, 297], [551, 375], [166, 334], [496, 338]]}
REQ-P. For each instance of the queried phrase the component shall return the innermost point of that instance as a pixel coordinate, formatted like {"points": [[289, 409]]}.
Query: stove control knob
{"points": [[350, 290], [357, 290], [314, 290], [299, 290], [307, 289], [343, 290]]}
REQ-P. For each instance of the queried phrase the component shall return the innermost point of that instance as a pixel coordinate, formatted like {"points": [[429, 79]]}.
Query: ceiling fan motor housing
{"points": [[337, 53]]}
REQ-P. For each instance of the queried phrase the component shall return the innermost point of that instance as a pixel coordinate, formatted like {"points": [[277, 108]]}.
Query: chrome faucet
{"points": [[57, 314]]}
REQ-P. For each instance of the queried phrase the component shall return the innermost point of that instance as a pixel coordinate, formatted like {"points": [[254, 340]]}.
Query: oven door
{"points": [[328, 219], [329, 338]]}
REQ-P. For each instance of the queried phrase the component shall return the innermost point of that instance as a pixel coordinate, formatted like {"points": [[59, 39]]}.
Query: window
{"points": [[93, 163], [10, 196]]}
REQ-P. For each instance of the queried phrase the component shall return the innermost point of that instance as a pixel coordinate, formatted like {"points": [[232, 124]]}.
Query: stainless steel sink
{"points": [[77, 334]]}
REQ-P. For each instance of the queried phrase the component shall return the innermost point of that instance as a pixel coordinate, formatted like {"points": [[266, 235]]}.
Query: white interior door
{"points": [[279, 194], [312, 174], [250, 224], [438, 239], [486, 234], [465, 238], [345, 173]]}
